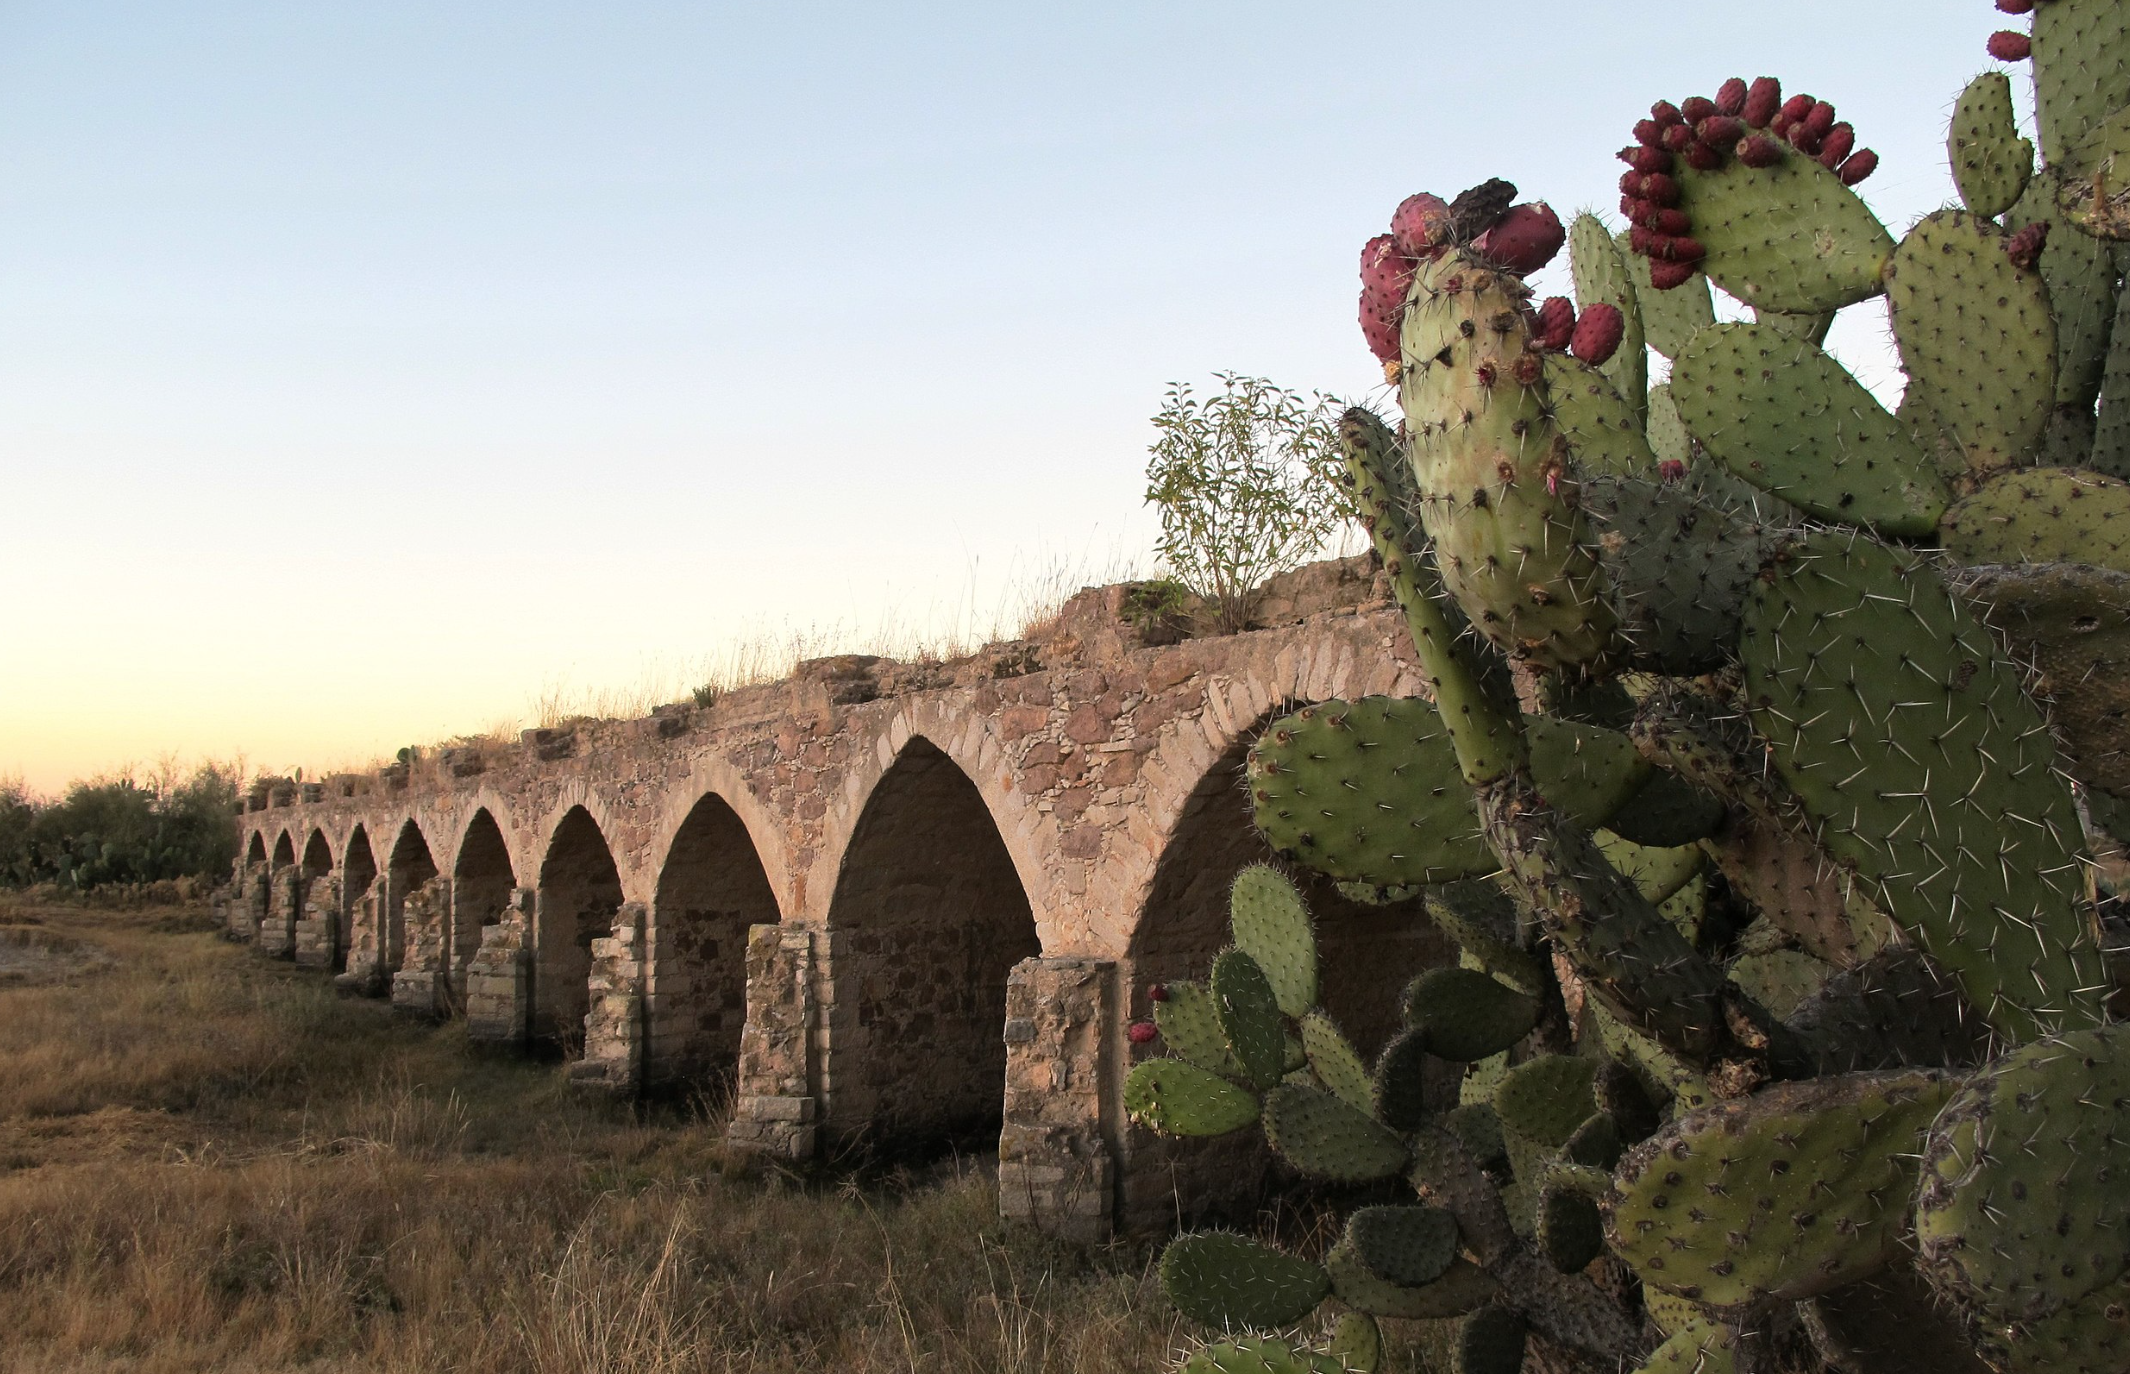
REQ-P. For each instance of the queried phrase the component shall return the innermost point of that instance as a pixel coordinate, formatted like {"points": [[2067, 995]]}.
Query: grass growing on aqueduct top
{"points": [[209, 1161]]}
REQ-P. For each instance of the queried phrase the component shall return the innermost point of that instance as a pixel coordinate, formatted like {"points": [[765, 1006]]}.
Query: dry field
{"points": [[212, 1162]]}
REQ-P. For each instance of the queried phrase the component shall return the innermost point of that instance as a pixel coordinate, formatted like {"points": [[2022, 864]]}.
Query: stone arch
{"points": [[580, 892], [255, 852], [317, 855], [712, 887], [409, 866], [971, 742], [1366, 953], [927, 919], [482, 880], [506, 830], [710, 774], [284, 852]]}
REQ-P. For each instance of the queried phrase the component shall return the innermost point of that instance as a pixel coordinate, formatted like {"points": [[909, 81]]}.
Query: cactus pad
{"points": [[1489, 1341], [1334, 1061], [1605, 431], [1894, 1010], [1679, 569], [1489, 463], [1399, 1092], [1669, 811], [1656, 873], [2094, 192], [1990, 161], [1881, 696], [2081, 53], [1790, 420], [1700, 1346], [2022, 1213], [1184, 1015], [1669, 318], [2043, 515], [1254, 1355], [1602, 277], [1467, 1016], [2072, 623], [1248, 1012], [1780, 979], [1324, 1137], [1408, 1246], [1463, 1288], [1272, 926], [1229, 1281], [1789, 237], [1571, 1233], [1588, 772], [1356, 1343], [1367, 790], [1545, 1099], [1978, 340], [1177, 1098], [1781, 1195]]}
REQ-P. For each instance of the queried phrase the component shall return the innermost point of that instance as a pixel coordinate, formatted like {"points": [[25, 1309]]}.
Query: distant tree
{"points": [[1246, 483], [120, 829]]}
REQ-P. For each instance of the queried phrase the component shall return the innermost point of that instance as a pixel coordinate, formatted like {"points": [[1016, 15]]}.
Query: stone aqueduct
{"points": [[893, 904]]}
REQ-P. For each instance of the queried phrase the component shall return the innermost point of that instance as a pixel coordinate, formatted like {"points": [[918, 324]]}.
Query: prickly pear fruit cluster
{"points": [[1773, 763]]}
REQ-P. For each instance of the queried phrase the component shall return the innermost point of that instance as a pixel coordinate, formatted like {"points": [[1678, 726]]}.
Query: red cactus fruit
{"points": [[1679, 137], [1762, 100], [1597, 333], [1420, 224], [1839, 143], [1797, 107], [1671, 470], [1142, 1032], [1702, 158], [1556, 323], [1730, 96], [2009, 45], [1635, 208], [1527, 369], [1526, 239], [1760, 151], [1649, 133], [2016, 6], [1677, 248], [1660, 189], [1670, 222], [1666, 275], [1697, 108], [1631, 183], [1386, 273], [1639, 239], [1648, 159], [1159, 992], [1380, 329], [1819, 119], [1860, 164], [2024, 248], [1720, 131], [1802, 139], [1666, 113]]}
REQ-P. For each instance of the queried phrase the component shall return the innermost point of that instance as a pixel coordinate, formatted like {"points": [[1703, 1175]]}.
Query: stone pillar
{"points": [[366, 967], [614, 1025], [1056, 1153], [422, 987], [277, 935], [776, 1109], [499, 978], [247, 905], [317, 929]]}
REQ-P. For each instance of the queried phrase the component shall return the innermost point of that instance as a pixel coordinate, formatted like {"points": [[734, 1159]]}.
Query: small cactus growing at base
{"points": [[1769, 736]]}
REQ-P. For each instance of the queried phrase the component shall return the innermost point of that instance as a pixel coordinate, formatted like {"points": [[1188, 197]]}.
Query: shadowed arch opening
{"points": [[482, 880], [358, 871], [1366, 955], [712, 888], [255, 852], [317, 855], [927, 919], [580, 891], [409, 867], [284, 851]]}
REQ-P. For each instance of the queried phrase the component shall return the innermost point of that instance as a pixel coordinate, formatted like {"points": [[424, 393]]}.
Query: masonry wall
{"points": [[876, 901]]}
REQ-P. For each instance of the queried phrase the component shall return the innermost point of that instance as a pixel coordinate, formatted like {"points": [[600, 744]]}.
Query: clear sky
{"points": [[366, 369]]}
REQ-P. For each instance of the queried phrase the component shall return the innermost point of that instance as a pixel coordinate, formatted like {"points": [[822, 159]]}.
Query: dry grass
{"points": [[210, 1162]]}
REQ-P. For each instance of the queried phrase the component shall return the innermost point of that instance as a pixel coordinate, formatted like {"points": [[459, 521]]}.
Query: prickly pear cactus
{"points": [[1769, 736]]}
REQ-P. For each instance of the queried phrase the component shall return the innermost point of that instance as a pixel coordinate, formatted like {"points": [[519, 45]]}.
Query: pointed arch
{"points": [[410, 866], [712, 887], [1366, 955], [284, 851], [482, 880], [579, 894], [317, 854], [255, 852], [358, 864], [927, 919]]}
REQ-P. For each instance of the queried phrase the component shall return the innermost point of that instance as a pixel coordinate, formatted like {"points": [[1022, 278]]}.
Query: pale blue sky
{"points": [[365, 367]]}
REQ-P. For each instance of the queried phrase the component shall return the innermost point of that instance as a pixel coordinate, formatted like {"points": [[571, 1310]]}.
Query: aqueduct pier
{"points": [[889, 903]]}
